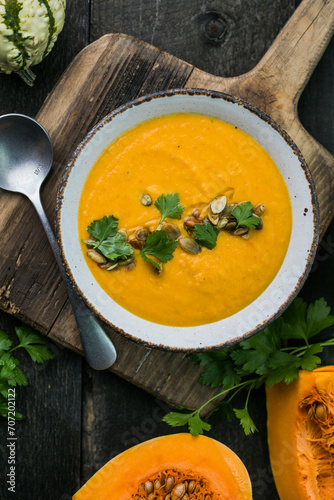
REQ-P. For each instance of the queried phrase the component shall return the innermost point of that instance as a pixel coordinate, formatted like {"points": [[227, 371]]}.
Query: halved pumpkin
{"points": [[178, 466], [301, 435]]}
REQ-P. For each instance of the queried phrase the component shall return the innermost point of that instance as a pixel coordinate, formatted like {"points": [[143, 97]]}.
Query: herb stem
{"points": [[238, 386]]}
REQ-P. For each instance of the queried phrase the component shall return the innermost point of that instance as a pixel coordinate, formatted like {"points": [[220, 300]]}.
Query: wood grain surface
{"points": [[76, 419]]}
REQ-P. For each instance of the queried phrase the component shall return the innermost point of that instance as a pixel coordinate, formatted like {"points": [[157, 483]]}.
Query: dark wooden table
{"points": [[77, 419]]}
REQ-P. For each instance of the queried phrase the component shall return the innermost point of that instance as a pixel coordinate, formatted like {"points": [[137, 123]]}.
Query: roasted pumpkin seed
{"points": [[96, 257], [218, 204], [146, 200], [142, 233], [190, 222], [172, 230], [259, 209], [189, 245]]}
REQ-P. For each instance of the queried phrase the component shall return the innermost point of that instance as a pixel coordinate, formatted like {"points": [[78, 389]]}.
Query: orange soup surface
{"points": [[197, 157]]}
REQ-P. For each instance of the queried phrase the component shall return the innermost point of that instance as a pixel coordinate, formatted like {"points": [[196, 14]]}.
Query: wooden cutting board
{"points": [[109, 72]]}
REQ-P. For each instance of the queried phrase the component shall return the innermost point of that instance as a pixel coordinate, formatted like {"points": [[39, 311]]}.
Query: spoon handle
{"points": [[99, 350]]}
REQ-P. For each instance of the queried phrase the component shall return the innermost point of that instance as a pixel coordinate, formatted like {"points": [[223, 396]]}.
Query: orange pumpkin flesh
{"points": [[201, 468], [301, 435]]}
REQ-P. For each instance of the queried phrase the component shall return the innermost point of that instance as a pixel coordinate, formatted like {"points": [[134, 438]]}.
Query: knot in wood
{"points": [[215, 27]]}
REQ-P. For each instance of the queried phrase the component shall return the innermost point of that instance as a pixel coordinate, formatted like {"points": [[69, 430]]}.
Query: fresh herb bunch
{"points": [[10, 375], [264, 358], [107, 239]]}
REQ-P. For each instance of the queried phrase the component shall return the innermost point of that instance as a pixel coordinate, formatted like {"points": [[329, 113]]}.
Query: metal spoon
{"points": [[26, 155]]}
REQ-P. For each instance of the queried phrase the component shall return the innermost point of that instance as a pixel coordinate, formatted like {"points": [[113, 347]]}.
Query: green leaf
{"points": [[103, 228], [219, 373], [245, 420], [197, 426], [244, 215], [160, 246], [318, 317], [115, 247], [169, 206], [224, 411], [283, 366], [309, 361], [33, 343], [5, 342], [206, 235], [177, 419]]}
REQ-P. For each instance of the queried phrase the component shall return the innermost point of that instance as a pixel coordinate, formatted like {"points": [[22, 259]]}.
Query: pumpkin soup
{"points": [[195, 210]]}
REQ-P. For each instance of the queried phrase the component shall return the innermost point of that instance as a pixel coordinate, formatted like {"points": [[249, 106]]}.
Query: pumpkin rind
{"points": [[120, 478], [28, 31], [301, 438]]}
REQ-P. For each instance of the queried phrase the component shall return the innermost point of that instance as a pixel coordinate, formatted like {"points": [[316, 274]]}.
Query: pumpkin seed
{"points": [[259, 209], [146, 200], [157, 484], [260, 224], [231, 225], [142, 233], [123, 233], [320, 411], [190, 222], [169, 483], [149, 487], [109, 266], [240, 231], [218, 204], [191, 486], [189, 245], [96, 257], [130, 266], [222, 223], [196, 213], [213, 218], [136, 243], [172, 231], [229, 207], [178, 491]]}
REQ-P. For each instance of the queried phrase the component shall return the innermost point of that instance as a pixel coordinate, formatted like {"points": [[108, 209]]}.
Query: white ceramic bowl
{"points": [[301, 251]]}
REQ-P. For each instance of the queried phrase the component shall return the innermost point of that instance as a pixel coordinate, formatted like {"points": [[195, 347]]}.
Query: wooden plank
{"points": [[51, 404]]}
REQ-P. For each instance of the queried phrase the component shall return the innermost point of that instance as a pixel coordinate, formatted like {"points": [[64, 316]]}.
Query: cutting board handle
{"points": [[290, 61]]}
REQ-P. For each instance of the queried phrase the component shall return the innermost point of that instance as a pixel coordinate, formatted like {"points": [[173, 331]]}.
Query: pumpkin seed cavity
{"points": [[173, 484]]}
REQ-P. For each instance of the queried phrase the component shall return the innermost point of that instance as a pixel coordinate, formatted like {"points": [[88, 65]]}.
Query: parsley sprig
{"points": [[265, 358], [107, 239], [244, 215], [206, 235], [160, 246], [10, 375], [169, 206]]}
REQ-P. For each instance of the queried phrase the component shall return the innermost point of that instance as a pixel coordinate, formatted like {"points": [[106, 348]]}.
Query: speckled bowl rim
{"points": [[264, 117]]}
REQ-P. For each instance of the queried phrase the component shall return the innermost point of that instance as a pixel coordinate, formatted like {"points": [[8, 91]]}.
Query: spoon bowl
{"points": [[26, 155]]}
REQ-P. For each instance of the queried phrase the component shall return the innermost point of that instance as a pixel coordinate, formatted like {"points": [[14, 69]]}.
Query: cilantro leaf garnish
{"points": [[169, 206], [10, 375], [160, 246], [206, 235], [107, 240], [244, 215], [265, 358], [103, 228], [115, 248]]}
